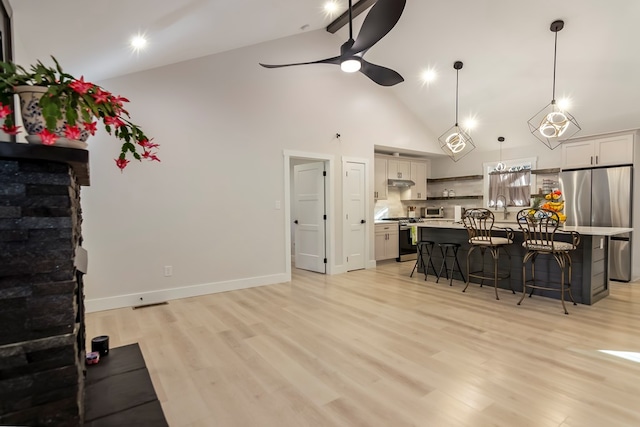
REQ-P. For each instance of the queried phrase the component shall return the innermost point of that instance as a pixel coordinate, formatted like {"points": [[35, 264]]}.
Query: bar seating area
{"points": [[570, 260]]}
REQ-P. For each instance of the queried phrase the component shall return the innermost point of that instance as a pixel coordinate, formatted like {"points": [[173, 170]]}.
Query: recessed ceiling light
{"points": [[331, 7], [564, 103], [138, 42], [470, 123], [429, 75]]}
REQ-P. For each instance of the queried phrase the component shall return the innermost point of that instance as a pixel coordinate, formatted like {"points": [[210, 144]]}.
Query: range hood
{"points": [[400, 183]]}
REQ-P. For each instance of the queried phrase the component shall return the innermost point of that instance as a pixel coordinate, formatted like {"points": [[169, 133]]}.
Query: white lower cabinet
{"points": [[387, 241]]}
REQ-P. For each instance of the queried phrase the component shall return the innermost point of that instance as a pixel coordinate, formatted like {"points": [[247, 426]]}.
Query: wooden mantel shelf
{"points": [[78, 159]]}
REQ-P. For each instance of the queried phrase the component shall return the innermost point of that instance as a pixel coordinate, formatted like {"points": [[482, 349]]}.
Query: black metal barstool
{"points": [[449, 250], [479, 225], [424, 246], [539, 227]]}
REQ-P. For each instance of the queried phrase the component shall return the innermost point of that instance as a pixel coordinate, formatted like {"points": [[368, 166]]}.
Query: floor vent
{"points": [[153, 304]]}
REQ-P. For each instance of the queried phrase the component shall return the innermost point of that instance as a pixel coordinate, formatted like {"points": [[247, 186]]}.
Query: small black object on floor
{"points": [[119, 391]]}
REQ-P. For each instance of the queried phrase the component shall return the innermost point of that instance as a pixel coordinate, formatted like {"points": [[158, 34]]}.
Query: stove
{"points": [[404, 220]]}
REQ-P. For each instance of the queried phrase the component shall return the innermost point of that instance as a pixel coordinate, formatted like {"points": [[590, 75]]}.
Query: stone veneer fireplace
{"points": [[41, 298]]}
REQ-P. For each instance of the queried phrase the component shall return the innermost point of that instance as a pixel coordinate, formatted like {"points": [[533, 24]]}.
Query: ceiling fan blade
{"points": [[382, 17], [334, 60], [382, 75]]}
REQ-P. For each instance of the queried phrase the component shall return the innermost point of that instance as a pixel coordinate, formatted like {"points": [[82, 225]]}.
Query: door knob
{"points": [[295, 222], [362, 221]]}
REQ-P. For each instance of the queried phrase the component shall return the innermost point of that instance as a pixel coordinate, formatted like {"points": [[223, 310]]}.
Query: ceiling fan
{"points": [[382, 17]]}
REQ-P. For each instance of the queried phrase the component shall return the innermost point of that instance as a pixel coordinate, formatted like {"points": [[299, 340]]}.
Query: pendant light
{"points": [[455, 142], [501, 167], [552, 123]]}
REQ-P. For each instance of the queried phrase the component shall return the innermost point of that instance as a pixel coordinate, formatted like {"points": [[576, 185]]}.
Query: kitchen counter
{"points": [[583, 230], [590, 260]]}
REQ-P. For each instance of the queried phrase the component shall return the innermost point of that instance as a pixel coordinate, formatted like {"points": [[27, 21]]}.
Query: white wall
{"points": [[208, 209]]}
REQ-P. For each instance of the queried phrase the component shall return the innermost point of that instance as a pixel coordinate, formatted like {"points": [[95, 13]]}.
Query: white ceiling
{"points": [[506, 47]]}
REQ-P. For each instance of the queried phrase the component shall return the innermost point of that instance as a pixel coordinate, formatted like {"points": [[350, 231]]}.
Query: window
{"points": [[509, 188], [510, 185]]}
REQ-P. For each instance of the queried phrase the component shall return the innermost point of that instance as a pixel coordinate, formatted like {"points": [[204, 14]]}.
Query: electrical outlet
{"points": [[168, 270]]}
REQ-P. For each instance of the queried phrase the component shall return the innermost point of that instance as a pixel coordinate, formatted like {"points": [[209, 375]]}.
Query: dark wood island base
{"points": [[590, 261]]}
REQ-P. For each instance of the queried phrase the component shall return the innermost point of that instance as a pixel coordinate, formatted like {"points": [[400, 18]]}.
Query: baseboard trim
{"points": [[163, 295]]}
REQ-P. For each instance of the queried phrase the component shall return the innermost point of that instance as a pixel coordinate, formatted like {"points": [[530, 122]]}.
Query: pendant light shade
{"points": [[455, 142], [552, 124]]}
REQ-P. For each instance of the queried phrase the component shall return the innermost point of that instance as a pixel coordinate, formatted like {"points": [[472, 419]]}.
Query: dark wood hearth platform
{"points": [[119, 392]]}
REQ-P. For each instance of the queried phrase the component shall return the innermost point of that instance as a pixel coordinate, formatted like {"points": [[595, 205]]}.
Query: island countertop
{"points": [[587, 231]]}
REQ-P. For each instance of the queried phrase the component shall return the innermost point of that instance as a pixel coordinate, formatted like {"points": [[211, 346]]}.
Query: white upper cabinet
{"points": [[598, 151], [419, 176], [398, 169], [380, 176]]}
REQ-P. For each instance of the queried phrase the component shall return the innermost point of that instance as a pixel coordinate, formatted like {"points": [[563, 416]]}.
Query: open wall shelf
{"points": [[455, 178]]}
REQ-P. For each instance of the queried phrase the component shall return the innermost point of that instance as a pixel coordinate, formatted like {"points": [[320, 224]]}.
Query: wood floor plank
{"points": [[377, 348]]}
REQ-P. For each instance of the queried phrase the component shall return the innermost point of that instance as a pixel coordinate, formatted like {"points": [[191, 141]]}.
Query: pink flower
{"points": [[101, 96], [4, 111], [81, 86], [150, 156], [71, 132], [11, 130], [121, 163], [48, 138], [91, 127], [118, 100], [115, 121], [145, 143]]}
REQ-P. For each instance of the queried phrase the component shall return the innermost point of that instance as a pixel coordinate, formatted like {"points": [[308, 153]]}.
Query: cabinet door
{"points": [[616, 150], [419, 176], [399, 169], [393, 244], [578, 154], [381, 245], [380, 174]]}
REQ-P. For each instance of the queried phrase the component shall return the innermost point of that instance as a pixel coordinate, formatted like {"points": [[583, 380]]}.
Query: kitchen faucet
{"points": [[506, 213]]}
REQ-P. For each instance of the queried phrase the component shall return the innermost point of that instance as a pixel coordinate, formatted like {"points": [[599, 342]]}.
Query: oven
{"points": [[407, 250]]}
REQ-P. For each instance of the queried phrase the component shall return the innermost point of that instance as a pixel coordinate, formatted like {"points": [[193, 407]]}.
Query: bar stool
{"points": [[424, 245], [449, 250], [539, 227], [479, 225]]}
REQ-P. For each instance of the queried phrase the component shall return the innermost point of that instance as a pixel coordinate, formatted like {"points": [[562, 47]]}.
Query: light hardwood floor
{"points": [[377, 348]]}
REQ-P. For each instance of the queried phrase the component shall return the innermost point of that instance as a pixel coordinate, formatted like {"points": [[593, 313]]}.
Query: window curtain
{"points": [[514, 186]]}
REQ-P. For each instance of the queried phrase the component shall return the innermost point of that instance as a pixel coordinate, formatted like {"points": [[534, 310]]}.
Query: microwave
{"points": [[432, 212]]}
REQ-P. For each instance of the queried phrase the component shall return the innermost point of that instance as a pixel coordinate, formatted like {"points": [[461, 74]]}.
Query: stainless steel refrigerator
{"points": [[602, 198]]}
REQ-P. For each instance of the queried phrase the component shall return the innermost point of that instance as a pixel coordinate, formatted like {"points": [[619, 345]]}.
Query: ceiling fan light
{"points": [[350, 65]]}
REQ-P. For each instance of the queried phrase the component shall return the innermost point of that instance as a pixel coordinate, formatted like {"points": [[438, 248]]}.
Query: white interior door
{"points": [[309, 216], [355, 215]]}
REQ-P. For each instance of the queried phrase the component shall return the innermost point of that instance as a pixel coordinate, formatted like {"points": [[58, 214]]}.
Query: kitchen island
{"points": [[590, 277]]}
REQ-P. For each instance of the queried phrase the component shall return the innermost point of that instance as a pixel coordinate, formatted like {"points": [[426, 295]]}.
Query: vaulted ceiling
{"points": [[506, 47]]}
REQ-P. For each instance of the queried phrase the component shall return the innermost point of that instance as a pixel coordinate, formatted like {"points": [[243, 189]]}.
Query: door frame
{"points": [[368, 261], [329, 206]]}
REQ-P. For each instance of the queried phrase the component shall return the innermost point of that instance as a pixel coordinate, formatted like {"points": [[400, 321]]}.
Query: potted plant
{"points": [[56, 105]]}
